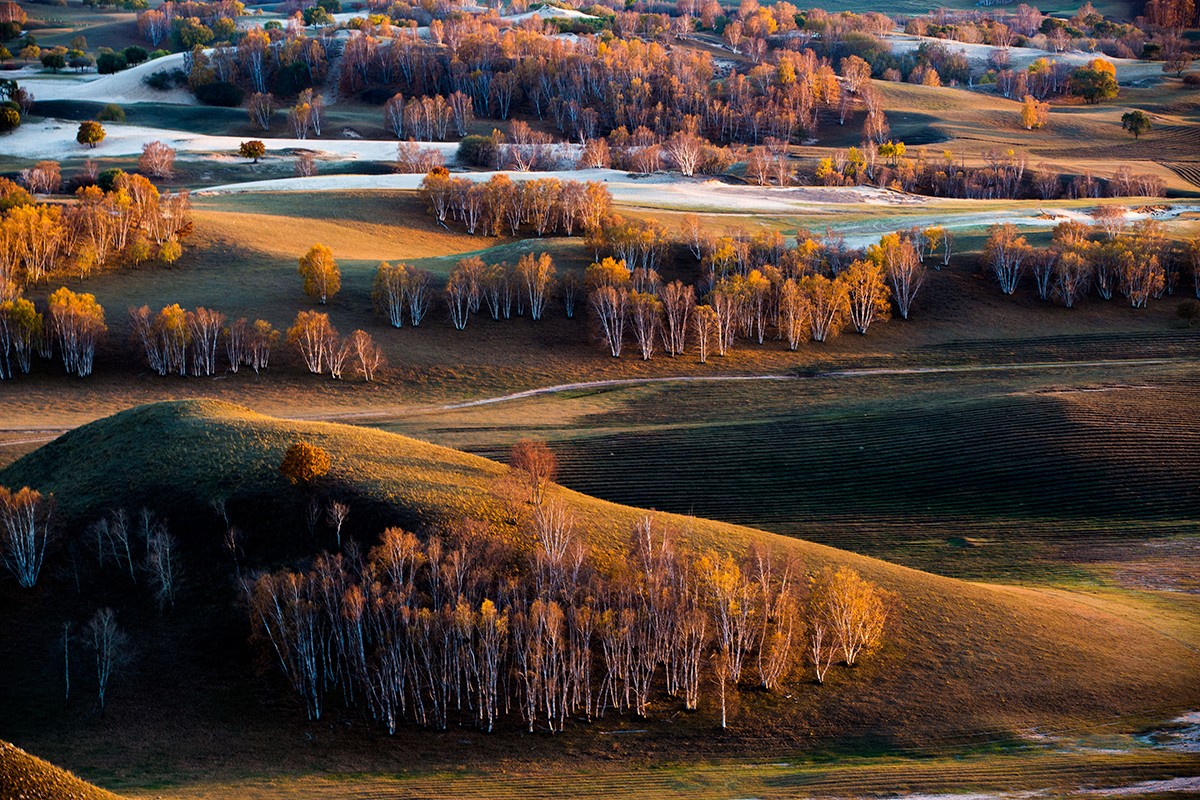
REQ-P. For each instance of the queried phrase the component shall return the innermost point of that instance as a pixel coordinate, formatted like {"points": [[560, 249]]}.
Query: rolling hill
{"points": [[30, 778], [965, 662]]}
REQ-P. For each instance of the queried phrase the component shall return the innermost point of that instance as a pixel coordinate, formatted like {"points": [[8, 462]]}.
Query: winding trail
{"points": [[53, 433], [849, 373]]}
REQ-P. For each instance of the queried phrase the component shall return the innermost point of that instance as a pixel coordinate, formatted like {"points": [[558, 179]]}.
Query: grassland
{"points": [[970, 666], [1050, 475], [27, 777], [1030, 473]]}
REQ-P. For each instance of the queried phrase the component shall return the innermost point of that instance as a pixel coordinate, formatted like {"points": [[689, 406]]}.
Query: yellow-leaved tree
{"points": [[304, 463], [322, 278]]}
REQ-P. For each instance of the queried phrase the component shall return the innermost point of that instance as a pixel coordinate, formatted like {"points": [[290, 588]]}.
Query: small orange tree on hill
{"points": [[322, 278], [1034, 114], [538, 465], [304, 463]]}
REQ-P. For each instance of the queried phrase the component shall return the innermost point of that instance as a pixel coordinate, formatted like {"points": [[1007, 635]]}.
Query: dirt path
{"points": [[47, 434], [851, 373]]}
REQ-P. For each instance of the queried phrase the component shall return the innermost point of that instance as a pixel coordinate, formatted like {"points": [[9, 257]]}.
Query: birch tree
{"points": [[645, 313], [162, 566], [25, 518], [1006, 252], [314, 338], [366, 353], [322, 278], [904, 267], [78, 323], [391, 281], [707, 328], [537, 464], [793, 313], [110, 648], [826, 306], [678, 302], [536, 273], [610, 309], [866, 293]]}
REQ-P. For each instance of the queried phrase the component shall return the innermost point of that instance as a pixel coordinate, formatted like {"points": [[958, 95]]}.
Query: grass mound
{"points": [[964, 660], [30, 778]]}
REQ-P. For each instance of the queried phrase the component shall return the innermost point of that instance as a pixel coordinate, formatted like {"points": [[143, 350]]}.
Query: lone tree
{"points": [[322, 278], [304, 463], [110, 646], [538, 465], [1136, 122], [91, 133], [1095, 82], [254, 149], [24, 532], [1034, 114]]}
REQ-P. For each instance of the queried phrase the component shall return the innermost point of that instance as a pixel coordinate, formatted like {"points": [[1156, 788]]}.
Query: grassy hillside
{"points": [[30, 778], [965, 656], [1030, 475]]}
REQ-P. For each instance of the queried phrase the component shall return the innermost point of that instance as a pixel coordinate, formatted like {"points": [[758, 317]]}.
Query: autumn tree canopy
{"points": [[304, 463]]}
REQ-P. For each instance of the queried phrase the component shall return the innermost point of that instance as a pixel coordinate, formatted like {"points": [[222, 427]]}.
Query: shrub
{"points": [[135, 55], [111, 113], [166, 79], [107, 180], [159, 53], [220, 93], [109, 63], [10, 118], [304, 463], [478, 151]]}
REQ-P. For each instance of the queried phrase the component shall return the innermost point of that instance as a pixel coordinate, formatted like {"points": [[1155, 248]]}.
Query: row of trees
{"points": [[322, 349], [24, 532], [1136, 261], [589, 88], [141, 547], [180, 342], [809, 304], [499, 205], [462, 628], [265, 62], [75, 322], [528, 285], [1002, 175], [176, 342], [130, 224]]}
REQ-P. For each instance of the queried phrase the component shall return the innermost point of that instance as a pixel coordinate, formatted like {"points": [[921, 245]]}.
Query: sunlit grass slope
{"points": [[963, 658], [30, 778]]}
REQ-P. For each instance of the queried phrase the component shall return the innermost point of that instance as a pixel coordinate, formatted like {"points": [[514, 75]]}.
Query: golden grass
{"points": [[396, 228], [27, 777]]}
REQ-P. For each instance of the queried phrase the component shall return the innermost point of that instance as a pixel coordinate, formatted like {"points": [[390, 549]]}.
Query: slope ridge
{"points": [[28, 777], [965, 659]]}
